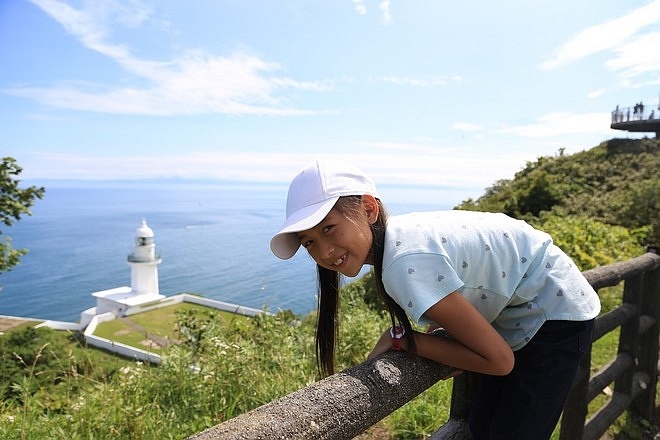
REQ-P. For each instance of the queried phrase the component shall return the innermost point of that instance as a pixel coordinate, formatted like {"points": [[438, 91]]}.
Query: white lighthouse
{"points": [[123, 301], [144, 262]]}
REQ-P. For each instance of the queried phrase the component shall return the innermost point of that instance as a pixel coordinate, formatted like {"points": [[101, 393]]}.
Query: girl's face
{"points": [[340, 243]]}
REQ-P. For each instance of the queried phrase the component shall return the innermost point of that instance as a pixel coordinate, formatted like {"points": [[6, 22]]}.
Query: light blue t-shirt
{"points": [[510, 272]]}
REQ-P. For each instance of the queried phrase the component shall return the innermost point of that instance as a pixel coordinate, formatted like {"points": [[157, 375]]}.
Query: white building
{"points": [[123, 301]]}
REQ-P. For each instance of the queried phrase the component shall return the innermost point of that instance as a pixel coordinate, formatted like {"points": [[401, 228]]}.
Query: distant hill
{"points": [[616, 183]]}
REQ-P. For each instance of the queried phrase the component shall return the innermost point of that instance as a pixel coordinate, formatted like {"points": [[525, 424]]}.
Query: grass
{"points": [[223, 365], [156, 329]]}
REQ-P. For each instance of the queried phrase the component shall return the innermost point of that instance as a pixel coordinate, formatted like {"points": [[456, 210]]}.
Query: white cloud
{"points": [[385, 9], [360, 7], [429, 81], [611, 35], [466, 126], [92, 23], [638, 58], [596, 93], [411, 164], [562, 123], [195, 82], [384, 6]]}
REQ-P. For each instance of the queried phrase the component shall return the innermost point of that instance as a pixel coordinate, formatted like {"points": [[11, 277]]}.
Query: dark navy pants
{"points": [[526, 403]]}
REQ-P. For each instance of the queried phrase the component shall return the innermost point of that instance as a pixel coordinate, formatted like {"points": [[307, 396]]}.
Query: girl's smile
{"points": [[339, 243], [341, 260]]}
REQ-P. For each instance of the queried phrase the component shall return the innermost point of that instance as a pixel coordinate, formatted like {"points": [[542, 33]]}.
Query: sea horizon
{"points": [[213, 237]]}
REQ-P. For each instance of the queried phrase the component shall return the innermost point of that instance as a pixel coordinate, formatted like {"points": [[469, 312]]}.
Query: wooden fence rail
{"points": [[348, 403]]}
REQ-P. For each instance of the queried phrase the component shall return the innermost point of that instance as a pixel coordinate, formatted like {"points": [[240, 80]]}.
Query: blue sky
{"points": [[453, 94]]}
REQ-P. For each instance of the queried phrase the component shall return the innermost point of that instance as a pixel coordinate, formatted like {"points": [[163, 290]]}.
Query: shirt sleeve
{"points": [[417, 281]]}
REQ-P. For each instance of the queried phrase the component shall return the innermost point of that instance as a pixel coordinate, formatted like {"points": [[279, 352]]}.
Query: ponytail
{"points": [[326, 328]]}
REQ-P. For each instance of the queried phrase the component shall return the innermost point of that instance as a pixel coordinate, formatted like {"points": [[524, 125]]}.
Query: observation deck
{"points": [[639, 119]]}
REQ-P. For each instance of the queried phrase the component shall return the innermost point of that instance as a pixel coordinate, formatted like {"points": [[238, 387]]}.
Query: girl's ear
{"points": [[370, 207]]}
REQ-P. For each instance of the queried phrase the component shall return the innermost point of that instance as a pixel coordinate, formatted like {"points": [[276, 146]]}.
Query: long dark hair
{"points": [[329, 283]]}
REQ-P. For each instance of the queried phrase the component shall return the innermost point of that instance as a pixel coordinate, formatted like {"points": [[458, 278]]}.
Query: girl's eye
{"points": [[306, 244], [327, 229]]}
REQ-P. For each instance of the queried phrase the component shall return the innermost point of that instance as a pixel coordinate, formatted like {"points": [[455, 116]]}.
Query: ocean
{"points": [[213, 240]]}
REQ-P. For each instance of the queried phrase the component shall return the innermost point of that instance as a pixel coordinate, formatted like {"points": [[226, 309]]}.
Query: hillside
{"points": [[615, 183]]}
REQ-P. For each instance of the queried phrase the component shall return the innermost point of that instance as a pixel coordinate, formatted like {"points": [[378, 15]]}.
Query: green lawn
{"points": [[152, 329]]}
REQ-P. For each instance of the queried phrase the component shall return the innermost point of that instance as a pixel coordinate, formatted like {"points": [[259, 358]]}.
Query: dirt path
{"points": [[7, 323]]}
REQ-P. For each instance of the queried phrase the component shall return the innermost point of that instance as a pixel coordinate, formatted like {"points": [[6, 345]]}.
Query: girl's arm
{"points": [[477, 346]]}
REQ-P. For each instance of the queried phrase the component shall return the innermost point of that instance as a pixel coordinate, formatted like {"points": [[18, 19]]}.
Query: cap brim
{"points": [[285, 243]]}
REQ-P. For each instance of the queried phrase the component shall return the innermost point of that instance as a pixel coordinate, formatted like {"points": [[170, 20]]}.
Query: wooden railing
{"points": [[633, 371], [635, 368], [346, 404]]}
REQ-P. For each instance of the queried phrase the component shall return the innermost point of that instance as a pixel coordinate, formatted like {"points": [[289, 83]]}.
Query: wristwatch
{"points": [[397, 333]]}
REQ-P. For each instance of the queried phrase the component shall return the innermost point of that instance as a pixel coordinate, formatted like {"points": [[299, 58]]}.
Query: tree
{"points": [[14, 202]]}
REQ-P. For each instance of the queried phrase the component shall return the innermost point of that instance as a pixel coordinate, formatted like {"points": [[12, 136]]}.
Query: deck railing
{"points": [[348, 403], [636, 113]]}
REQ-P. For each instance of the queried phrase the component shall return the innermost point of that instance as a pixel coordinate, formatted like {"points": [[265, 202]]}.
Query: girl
{"points": [[519, 310]]}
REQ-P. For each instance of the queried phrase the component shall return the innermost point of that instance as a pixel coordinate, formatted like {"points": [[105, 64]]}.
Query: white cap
{"points": [[312, 194]]}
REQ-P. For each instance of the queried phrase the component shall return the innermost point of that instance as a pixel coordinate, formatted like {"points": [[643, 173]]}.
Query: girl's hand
{"points": [[383, 345]]}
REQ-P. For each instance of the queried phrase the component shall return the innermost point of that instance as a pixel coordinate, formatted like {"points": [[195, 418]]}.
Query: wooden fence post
{"points": [[644, 404], [632, 294]]}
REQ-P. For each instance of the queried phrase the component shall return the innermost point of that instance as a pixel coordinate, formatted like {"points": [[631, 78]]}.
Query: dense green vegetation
{"points": [[610, 192], [599, 205], [14, 203]]}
